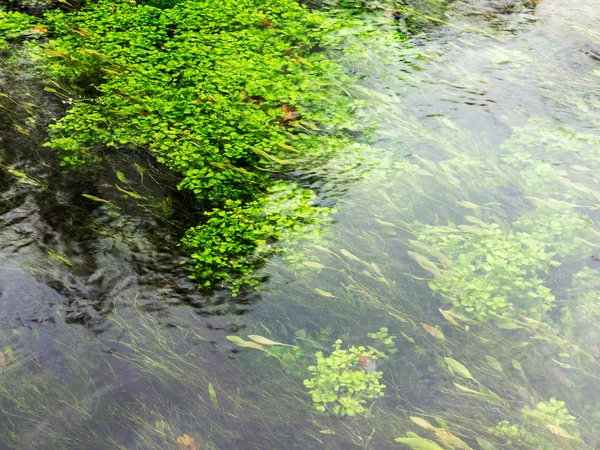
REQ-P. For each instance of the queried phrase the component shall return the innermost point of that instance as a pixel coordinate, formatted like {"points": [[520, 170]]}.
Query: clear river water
{"points": [[467, 224]]}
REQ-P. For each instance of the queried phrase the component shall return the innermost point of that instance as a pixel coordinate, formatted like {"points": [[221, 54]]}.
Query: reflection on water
{"points": [[468, 229]]}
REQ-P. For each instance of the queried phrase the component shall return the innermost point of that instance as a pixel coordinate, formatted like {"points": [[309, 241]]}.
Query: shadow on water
{"points": [[74, 241], [76, 245]]}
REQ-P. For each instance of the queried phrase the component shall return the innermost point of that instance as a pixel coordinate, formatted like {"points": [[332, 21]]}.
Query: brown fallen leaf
{"points": [[396, 13], [39, 29], [290, 114], [256, 99], [367, 364], [187, 441], [80, 31], [433, 331], [2, 360]]}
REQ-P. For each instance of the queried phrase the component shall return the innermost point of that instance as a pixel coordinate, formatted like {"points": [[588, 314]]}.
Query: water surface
{"points": [[488, 119]]}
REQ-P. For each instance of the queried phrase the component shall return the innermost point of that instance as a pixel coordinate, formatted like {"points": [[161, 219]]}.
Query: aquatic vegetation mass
{"points": [[223, 96]]}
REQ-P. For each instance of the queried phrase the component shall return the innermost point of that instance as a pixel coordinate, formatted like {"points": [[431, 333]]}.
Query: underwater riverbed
{"points": [[454, 301]]}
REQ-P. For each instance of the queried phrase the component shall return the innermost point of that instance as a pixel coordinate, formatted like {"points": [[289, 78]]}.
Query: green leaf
{"points": [[458, 369], [316, 265], [433, 331], [349, 255], [247, 344], [213, 395], [560, 432], [418, 443], [324, 293], [461, 317], [59, 258], [272, 157], [485, 445], [266, 341], [449, 317], [488, 394], [517, 365], [384, 223], [408, 338], [468, 205], [493, 362], [422, 423], [130, 193], [94, 198], [562, 364]]}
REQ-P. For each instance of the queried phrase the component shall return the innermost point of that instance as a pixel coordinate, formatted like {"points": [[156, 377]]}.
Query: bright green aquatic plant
{"points": [[13, 25], [544, 139], [238, 238], [487, 269], [224, 96], [490, 269], [340, 385], [580, 317], [384, 340], [540, 426], [553, 412], [212, 92]]}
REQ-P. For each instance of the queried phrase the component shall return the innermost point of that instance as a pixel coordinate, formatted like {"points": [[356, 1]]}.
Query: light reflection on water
{"points": [[501, 108]]}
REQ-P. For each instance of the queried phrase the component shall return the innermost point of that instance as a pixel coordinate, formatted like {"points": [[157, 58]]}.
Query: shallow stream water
{"points": [[487, 120]]}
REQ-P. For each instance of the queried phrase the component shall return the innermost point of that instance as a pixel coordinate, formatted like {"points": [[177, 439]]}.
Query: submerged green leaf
{"points": [[449, 317], [324, 293], [468, 205], [562, 364], [561, 432], [247, 344], [213, 395], [131, 193], [266, 341], [60, 258], [418, 443], [433, 331], [493, 362], [486, 445], [458, 369], [422, 423], [94, 198], [316, 265]]}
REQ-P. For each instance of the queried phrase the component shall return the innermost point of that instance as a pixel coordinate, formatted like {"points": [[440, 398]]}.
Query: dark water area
{"points": [[485, 136], [72, 242]]}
